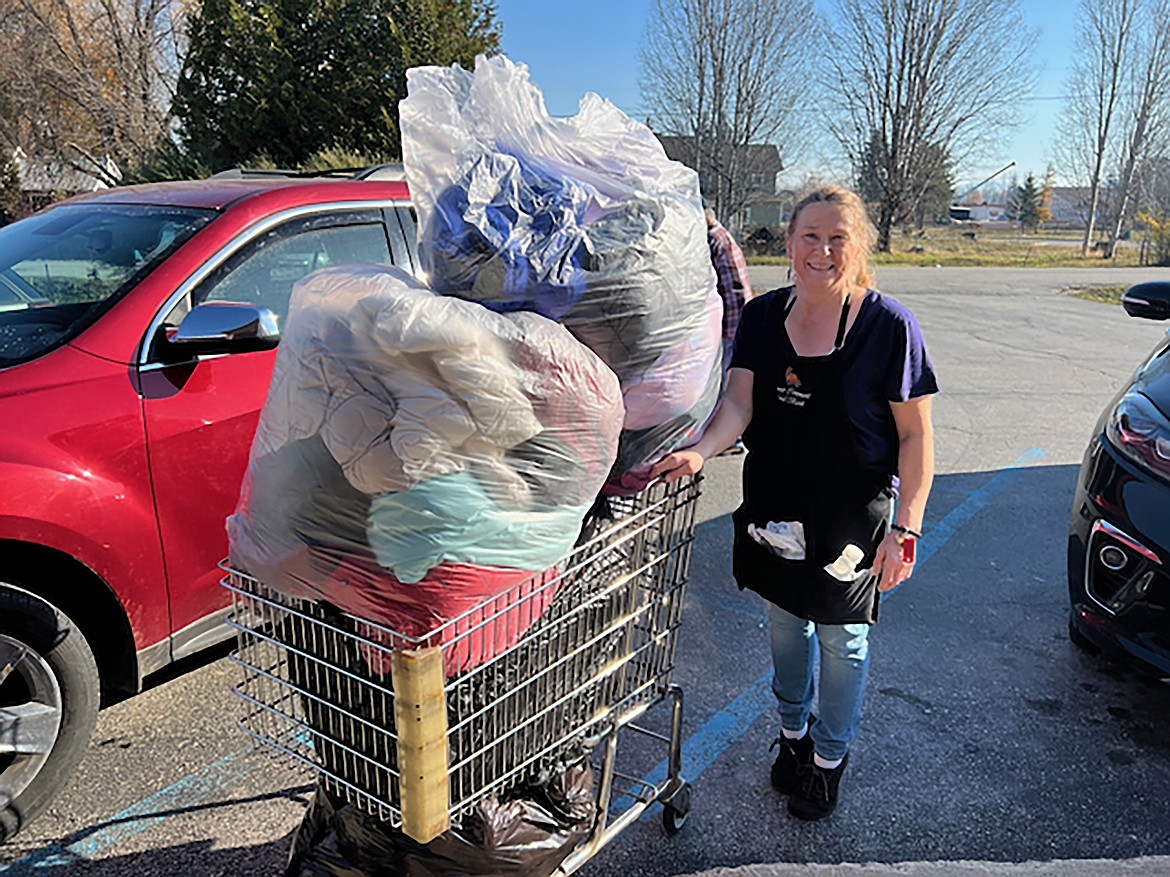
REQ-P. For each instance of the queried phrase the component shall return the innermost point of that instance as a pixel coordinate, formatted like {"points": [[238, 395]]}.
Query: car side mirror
{"points": [[226, 327], [1150, 300]]}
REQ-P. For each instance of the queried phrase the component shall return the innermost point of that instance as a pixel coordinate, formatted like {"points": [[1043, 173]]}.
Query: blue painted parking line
{"points": [[188, 792], [942, 532], [706, 745]]}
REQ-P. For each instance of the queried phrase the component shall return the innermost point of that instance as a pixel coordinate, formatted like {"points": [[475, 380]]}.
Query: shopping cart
{"points": [[416, 730]]}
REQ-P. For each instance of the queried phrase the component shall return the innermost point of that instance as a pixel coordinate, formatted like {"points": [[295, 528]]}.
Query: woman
{"points": [[830, 386]]}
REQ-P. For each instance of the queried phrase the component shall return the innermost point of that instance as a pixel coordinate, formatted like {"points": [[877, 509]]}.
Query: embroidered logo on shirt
{"points": [[790, 393]]}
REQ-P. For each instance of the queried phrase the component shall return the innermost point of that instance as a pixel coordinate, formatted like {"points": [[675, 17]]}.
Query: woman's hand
{"points": [[888, 564], [678, 465]]}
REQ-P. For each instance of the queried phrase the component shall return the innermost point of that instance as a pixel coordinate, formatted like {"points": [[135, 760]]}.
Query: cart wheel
{"points": [[674, 811]]}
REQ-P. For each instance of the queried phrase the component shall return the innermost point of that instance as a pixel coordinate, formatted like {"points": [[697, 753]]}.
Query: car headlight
{"points": [[1141, 433]]}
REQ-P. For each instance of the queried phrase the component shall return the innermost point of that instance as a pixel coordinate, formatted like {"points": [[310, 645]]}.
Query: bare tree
{"points": [[86, 79], [922, 82], [1102, 55], [1144, 109], [724, 74]]}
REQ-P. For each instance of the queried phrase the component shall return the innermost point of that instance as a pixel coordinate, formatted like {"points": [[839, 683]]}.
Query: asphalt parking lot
{"points": [[990, 744]]}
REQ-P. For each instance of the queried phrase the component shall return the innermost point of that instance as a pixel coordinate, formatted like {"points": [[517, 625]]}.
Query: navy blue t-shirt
{"points": [[885, 360]]}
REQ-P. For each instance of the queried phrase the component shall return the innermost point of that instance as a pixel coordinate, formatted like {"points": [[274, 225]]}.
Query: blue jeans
{"points": [[844, 665]]}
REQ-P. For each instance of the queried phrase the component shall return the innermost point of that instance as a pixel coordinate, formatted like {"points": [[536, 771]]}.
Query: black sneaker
{"points": [[816, 794], [793, 755]]}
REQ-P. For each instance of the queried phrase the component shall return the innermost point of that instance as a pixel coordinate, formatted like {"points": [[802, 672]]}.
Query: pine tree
{"points": [[291, 78], [1026, 204], [929, 189]]}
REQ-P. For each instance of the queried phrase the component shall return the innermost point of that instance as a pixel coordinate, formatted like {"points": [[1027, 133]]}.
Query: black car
{"points": [[1119, 539]]}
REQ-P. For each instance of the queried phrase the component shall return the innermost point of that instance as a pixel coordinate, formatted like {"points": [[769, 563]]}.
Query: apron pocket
{"points": [[832, 601], [757, 568]]}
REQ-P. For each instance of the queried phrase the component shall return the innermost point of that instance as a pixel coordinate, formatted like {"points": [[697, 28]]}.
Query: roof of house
{"points": [[755, 157], [59, 175]]}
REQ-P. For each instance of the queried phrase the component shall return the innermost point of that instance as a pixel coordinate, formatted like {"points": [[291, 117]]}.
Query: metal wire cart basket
{"points": [[415, 730]]}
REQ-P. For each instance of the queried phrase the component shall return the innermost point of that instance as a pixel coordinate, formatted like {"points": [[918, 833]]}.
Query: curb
{"points": [[1149, 866]]}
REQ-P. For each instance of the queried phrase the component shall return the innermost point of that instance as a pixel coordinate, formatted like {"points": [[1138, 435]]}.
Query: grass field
{"points": [[964, 246], [1110, 295]]}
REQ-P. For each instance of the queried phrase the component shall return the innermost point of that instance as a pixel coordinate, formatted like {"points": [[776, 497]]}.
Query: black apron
{"points": [[803, 465]]}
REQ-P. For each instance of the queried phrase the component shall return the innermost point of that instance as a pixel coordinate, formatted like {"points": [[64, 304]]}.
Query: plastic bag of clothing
{"points": [[583, 220], [417, 453], [529, 832]]}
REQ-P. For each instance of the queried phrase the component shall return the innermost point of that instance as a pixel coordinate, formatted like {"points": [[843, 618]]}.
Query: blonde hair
{"points": [[854, 208]]}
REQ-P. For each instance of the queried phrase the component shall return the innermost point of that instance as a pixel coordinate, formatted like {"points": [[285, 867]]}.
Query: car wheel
{"points": [[49, 698]]}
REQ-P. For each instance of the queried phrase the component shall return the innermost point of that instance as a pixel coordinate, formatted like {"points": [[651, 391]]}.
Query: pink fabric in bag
{"points": [[474, 613]]}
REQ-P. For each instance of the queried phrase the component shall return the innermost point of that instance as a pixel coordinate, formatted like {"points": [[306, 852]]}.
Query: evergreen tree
{"points": [[1026, 204], [291, 78], [927, 188], [938, 193]]}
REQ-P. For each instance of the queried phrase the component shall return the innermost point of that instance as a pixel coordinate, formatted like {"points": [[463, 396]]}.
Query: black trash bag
{"points": [[529, 832]]}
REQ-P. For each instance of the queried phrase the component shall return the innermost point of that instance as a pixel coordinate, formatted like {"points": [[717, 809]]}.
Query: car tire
{"points": [[49, 693]]}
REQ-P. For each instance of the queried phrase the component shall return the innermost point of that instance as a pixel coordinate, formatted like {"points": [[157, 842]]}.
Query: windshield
{"points": [[61, 269]]}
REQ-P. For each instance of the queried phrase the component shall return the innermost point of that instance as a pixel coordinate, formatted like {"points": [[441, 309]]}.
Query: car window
{"points": [[403, 235], [265, 270], [62, 268], [16, 295], [87, 253]]}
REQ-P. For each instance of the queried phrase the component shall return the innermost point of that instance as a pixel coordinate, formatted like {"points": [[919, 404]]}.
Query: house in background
{"points": [[758, 165], [1070, 207], [770, 209], [43, 181]]}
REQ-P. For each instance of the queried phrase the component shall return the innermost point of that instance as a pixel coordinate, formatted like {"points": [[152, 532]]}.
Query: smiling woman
{"points": [[830, 385]]}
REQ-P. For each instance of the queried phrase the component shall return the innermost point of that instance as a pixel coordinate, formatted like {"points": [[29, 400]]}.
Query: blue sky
{"points": [[572, 47]]}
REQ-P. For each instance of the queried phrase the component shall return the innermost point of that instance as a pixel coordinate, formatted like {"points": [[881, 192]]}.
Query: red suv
{"points": [[137, 336]]}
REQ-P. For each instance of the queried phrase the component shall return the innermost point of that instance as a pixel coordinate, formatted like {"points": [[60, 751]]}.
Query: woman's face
{"points": [[823, 247]]}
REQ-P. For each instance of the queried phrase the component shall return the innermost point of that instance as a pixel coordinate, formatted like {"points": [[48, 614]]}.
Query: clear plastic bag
{"points": [[418, 454], [583, 220]]}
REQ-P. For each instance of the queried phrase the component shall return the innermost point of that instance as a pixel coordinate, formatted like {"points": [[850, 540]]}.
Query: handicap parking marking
{"points": [[178, 798], [942, 532]]}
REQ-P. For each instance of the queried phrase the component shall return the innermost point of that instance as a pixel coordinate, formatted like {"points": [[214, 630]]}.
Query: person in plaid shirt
{"points": [[731, 276], [731, 279]]}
